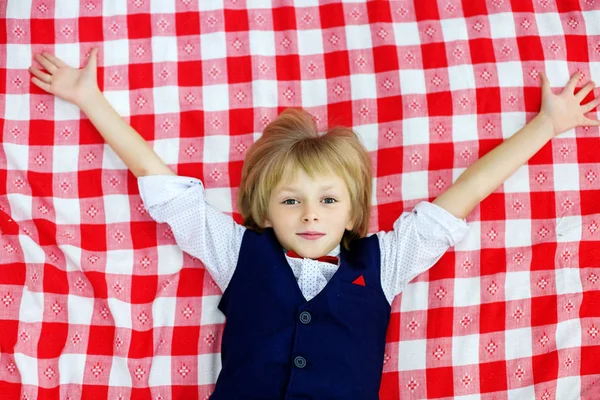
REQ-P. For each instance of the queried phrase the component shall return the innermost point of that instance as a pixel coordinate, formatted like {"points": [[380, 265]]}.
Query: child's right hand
{"points": [[70, 84], [565, 110]]}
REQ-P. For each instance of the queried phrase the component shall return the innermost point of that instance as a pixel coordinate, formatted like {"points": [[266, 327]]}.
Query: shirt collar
{"points": [[335, 252]]}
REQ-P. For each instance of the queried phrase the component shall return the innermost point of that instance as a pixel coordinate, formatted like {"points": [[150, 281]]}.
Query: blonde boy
{"points": [[306, 293]]}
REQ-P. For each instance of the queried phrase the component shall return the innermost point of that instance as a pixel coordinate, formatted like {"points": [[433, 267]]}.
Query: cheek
{"points": [[278, 216]]}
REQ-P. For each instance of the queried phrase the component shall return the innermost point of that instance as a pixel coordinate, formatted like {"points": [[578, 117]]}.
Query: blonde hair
{"points": [[291, 142]]}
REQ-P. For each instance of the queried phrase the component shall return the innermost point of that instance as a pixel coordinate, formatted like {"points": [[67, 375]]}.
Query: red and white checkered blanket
{"points": [[97, 301]]}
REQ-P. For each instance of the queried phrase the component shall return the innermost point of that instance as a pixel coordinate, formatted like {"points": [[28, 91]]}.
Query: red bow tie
{"points": [[329, 259]]}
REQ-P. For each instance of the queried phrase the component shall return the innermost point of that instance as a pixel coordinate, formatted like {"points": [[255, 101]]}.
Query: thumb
{"points": [[590, 122], [545, 82], [92, 61]]}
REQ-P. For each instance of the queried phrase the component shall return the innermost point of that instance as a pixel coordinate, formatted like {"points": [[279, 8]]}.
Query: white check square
{"points": [[31, 307], [465, 350], [517, 285], [109, 8], [454, 29], [160, 371], [165, 7], [16, 107], [66, 158], [116, 52], [17, 155], [71, 367], [412, 81], [413, 355], [517, 233], [549, 24], [415, 131], [464, 128], [467, 292], [19, 9], [18, 56], [27, 366], [213, 45], [210, 313], [117, 208], [67, 211], [502, 25], [167, 150], [262, 43], [170, 259], [518, 343], [164, 48], [406, 33], [568, 334], [415, 297], [166, 99], [363, 86], [216, 149], [314, 92], [461, 77], [80, 310], [219, 198], [120, 262], [32, 252], [566, 177], [510, 74], [369, 135], [216, 97], [414, 185], [358, 37], [20, 206], [118, 373], [119, 99], [121, 312], [163, 311], [310, 41]]}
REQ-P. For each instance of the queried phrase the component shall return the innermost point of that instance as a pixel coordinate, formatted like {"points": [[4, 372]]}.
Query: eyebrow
{"points": [[293, 189]]}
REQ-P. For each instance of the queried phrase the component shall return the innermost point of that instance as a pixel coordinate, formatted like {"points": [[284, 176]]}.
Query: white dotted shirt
{"points": [[418, 240]]}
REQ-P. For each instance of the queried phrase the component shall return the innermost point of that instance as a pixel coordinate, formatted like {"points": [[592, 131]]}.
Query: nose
{"points": [[309, 213]]}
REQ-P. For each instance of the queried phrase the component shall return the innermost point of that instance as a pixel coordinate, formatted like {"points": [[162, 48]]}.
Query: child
{"points": [[301, 322]]}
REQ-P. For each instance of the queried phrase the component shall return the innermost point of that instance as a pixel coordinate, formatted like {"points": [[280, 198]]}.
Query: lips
{"points": [[311, 235]]}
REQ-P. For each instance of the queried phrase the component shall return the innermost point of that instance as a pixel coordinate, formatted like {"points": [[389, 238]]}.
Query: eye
{"points": [[329, 202], [288, 200]]}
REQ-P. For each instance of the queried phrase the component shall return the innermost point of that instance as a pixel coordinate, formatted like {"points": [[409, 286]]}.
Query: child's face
{"points": [[310, 205]]}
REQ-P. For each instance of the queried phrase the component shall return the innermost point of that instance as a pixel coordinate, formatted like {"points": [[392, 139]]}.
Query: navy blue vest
{"points": [[276, 345]]}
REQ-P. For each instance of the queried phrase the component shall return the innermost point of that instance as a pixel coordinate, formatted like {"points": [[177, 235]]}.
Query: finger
{"points": [[44, 77], [92, 61], [584, 91], [47, 64], [570, 87], [545, 82], [55, 60], [586, 108], [42, 85], [590, 122]]}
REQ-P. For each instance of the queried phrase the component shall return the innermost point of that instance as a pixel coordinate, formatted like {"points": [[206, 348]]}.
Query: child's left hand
{"points": [[565, 110], [71, 84]]}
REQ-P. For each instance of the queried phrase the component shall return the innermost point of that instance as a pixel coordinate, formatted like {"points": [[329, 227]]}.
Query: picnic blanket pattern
{"points": [[96, 299]]}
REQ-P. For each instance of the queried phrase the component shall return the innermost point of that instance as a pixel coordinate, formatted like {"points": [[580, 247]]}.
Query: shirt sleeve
{"points": [[418, 240], [199, 229]]}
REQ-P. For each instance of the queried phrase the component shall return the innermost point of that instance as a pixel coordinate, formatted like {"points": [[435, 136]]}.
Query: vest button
{"points": [[305, 317], [300, 362]]}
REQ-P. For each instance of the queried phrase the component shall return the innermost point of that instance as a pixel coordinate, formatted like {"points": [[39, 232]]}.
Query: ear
{"points": [[350, 225], [268, 223]]}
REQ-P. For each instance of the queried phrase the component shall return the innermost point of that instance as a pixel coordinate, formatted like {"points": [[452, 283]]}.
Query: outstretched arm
{"points": [[558, 113], [80, 87], [199, 229]]}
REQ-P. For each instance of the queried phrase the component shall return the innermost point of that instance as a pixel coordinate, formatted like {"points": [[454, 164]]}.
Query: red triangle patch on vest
{"points": [[359, 281]]}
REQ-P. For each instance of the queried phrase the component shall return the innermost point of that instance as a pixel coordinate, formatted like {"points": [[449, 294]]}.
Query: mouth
{"points": [[311, 235]]}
